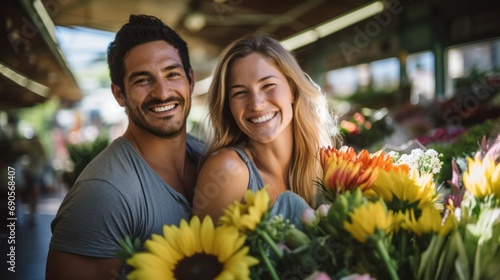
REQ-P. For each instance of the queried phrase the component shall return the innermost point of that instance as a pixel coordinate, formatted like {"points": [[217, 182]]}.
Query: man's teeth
{"points": [[262, 119], [163, 109]]}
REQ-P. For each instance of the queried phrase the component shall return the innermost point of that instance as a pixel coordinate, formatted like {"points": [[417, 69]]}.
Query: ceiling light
{"points": [[300, 39], [24, 81], [349, 19], [195, 21], [47, 21], [333, 25]]}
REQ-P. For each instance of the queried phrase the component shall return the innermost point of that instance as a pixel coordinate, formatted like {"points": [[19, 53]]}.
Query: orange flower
{"points": [[344, 170]]}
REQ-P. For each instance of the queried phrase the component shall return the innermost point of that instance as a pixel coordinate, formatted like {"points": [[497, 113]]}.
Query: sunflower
{"points": [[247, 216], [482, 177], [344, 170], [369, 219], [402, 192], [193, 251], [430, 221]]}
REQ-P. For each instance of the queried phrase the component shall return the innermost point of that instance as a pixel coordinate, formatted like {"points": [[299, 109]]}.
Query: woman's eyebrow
{"points": [[260, 80]]}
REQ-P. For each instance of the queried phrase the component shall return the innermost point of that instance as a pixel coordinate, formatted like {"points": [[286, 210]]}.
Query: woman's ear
{"points": [[118, 94]]}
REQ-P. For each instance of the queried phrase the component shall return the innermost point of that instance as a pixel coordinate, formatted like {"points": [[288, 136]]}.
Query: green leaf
{"points": [[128, 248], [446, 261], [429, 258], [461, 262]]}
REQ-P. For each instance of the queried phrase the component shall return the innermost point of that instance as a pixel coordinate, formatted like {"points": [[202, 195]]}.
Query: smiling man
{"points": [[144, 179]]}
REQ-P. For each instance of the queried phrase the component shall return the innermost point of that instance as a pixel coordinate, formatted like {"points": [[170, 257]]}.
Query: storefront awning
{"points": [[32, 67]]}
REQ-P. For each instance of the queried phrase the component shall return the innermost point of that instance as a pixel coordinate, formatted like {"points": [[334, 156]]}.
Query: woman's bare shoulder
{"points": [[225, 158], [223, 179]]}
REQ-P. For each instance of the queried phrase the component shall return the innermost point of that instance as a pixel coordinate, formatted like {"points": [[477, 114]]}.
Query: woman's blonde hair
{"points": [[313, 123]]}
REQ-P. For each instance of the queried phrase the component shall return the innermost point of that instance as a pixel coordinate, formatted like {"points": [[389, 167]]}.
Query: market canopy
{"points": [[33, 69]]}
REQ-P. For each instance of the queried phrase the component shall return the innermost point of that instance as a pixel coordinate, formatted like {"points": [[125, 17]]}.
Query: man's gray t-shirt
{"points": [[117, 195]]}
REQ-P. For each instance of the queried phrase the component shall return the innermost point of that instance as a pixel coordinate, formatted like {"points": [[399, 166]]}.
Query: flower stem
{"points": [[266, 260], [270, 242], [404, 244], [387, 260], [322, 231]]}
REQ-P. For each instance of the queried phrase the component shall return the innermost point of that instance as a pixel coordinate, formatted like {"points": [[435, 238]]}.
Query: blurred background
{"points": [[397, 73]]}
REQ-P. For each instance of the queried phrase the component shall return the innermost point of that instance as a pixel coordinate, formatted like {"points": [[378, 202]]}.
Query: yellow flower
{"points": [[430, 221], [409, 191], [482, 178], [368, 219], [247, 216], [344, 170], [193, 251]]}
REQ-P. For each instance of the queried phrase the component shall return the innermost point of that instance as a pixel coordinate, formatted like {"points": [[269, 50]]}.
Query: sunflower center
{"points": [[199, 266]]}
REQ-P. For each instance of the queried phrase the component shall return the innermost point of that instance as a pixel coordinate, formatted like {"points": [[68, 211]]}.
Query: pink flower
{"points": [[322, 210], [357, 277], [309, 218], [317, 275]]}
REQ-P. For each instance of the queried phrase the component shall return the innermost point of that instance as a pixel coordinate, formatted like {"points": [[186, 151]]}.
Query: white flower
{"points": [[322, 210], [425, 162], [309, 218]]}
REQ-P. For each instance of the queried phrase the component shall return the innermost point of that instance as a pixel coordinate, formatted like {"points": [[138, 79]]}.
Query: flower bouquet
{"points": [[382, 218]]}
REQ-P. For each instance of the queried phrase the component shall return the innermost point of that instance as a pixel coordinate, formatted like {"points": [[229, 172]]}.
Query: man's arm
{"points": [[86, 232], [63, 266]]}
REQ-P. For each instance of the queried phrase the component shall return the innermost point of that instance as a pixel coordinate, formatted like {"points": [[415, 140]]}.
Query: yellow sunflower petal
{"points": [[239, 264], [171, 233], [246, 216], [150, 274], [225, 248], [186, 240], [207, 234], [159, 247], [195, 225]]}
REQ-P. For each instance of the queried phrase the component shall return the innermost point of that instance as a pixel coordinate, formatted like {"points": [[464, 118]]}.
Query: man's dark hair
{"points": [[142, 29]]}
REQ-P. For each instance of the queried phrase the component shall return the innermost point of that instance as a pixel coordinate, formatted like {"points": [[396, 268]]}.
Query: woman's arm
{"points": [[222, 180]]}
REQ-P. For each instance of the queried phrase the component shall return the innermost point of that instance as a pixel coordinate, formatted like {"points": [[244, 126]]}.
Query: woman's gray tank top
{"points": [[288, 204]]}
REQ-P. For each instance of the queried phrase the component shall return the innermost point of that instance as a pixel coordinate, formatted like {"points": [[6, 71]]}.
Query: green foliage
{"points": [[472, 251], [128, 248], [372, 99], [262, 244], [465, 146], [40, 118], [81, 154]]}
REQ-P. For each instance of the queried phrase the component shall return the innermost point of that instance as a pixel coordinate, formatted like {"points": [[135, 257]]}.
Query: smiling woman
{"points": [[269, 122]]}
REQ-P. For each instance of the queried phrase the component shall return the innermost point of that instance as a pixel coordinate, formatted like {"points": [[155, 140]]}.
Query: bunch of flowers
{"points": [[381, 220], [384, 219], [427, 161]]}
